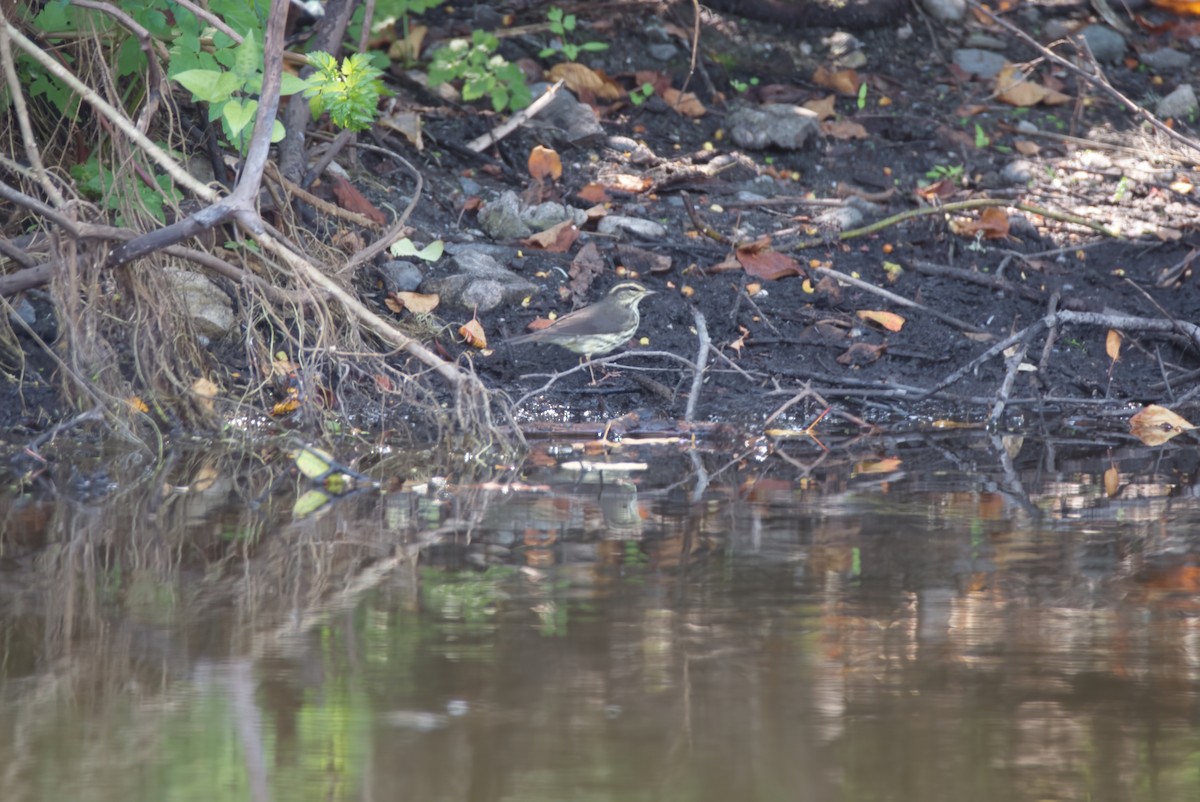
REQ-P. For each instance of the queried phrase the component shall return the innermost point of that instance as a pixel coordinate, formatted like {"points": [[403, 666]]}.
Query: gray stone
{"points": [[400, 276], [577, 122], [501, 218], [1106, 44], [840, 218], [481, 282], [984, 41], [546, 215], [945, 10], [983, 63], [636, 226], [207, 305], [773, 125], [1019, 172], [1178, 105], [663, 52], [1166, 59]]}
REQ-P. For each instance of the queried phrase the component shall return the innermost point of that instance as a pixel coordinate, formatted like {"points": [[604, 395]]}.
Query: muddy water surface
{"points": [[964, 619]]}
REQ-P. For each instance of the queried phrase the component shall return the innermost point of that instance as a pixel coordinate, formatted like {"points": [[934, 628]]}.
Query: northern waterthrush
{"points": [[597, 328]]}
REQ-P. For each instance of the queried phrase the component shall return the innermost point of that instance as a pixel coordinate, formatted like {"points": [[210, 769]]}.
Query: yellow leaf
{"points": [[1112, 481], [1155, 425], [823, 108], [205, 391], [685, 103], [418, 303], [579, 78], [544, 163], [889, 320], [1112, 345], [137, 404]]}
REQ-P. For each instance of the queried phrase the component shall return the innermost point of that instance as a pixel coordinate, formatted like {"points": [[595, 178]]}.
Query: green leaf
{"points": [[249, 58], [291, 84], [278, 132], [238, 114], [211, 86], [430, 253]]}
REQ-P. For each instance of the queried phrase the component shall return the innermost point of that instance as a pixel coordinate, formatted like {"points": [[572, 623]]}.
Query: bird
{"points": [[596, 329]]}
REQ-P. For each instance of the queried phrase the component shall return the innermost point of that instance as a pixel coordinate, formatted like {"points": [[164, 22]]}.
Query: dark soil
{"points": [[922, 119]]}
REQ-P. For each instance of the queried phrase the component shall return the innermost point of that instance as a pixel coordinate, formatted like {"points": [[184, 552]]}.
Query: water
{"points": [[919, 621]]}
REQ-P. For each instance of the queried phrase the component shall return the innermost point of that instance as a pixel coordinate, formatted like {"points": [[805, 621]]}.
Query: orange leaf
{"points": [[889, 320], [544, 163], [594, 193], [350, 199], [862, 354], [1112, 481], [823, 107], [1155, 425], [845, 82], [685, 103], [1112, 345], [472, 332]]}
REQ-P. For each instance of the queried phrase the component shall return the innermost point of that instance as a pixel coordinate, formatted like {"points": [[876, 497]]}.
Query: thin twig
{"points": [[897, 299]]}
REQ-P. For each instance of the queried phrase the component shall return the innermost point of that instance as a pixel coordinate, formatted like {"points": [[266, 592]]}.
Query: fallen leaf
{"points": [[594, 193], [845, 82], [472, 333], [862, 354], [880, 465], [823, 108], [1016, 89], [580, 78], [1155, 425], [937, 191], [136, 404], [350, 199], [889, 320], [415, 302], [992, 224], [1112, 345], [1027, 148], [844, 129], [408, 49], [642, 260], [623, 182], [767, 264], [556, 239], [405, 122], [1112, 481], [544, 163], [205, 391], [686, 103]]}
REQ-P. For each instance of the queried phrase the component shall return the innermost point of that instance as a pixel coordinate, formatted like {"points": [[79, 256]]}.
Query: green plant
{"points": [[483, 71], [640, 95], [228, 92], [742, 86], [1121, 190], [350, 93], [948, 172], [862, 95], [982, 140], [562, 24], [99, 185]]}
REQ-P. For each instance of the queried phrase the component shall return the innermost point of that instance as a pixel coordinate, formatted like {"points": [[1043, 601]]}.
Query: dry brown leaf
{"points": [[556, 239], [137, 404], [579, 78], [823, 108], [205, 391], [844, 129], [1016, 89], [880, 465], [862, 354], [1027, 148], [767, 264], [889, 320], [1112, 481], [350, 199], [845, 82], [740, 343], [415, 302], [641, 260], [472, 333], [544, 163], [405, 122], [1112, 345], [686, 103], [992, 224], [1155, 425], [937, 191], [623, 182], [407, 50]]}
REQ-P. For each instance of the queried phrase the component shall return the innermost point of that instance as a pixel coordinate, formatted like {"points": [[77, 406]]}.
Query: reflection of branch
{"points": [[554, 378], [701, 360]]}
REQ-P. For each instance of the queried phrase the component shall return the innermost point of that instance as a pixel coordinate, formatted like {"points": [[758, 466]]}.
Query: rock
{"points": [[619, 224], [209, 308], [663, 52], [778, 125], [1106, 44], [501, 218], [839, 218], [481, 283], [982, 63], [1166, 59], [576, 121], [1018, 172], [400, 276], [1179, 104], [945, 10], [546, 215]]}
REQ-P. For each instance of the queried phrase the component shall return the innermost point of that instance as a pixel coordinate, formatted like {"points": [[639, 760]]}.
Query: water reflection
{"points": [[951, 622]]}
